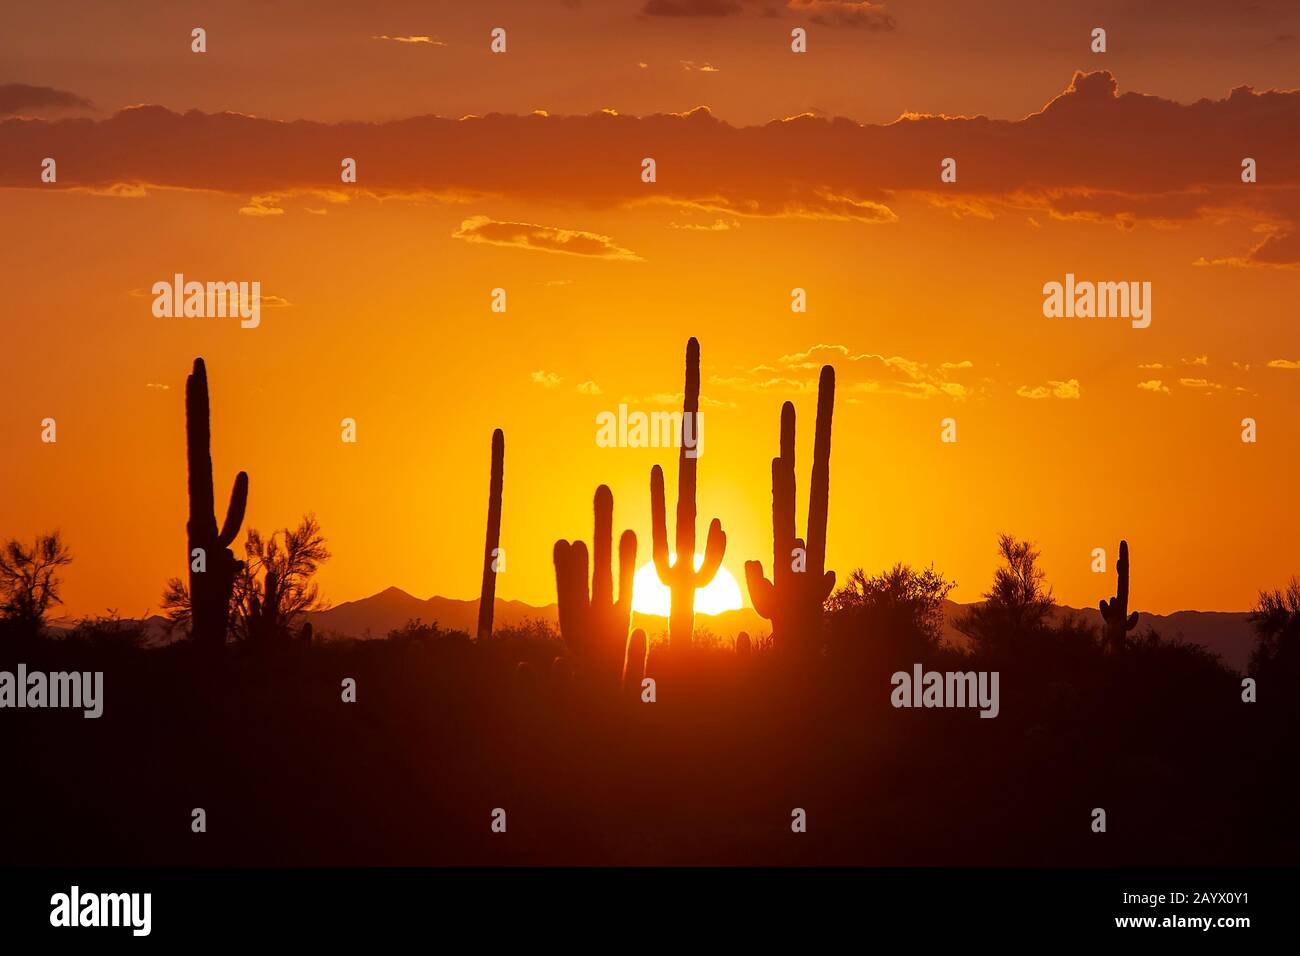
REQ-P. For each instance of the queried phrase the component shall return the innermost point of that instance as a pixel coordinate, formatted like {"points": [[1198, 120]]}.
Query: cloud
{"points": [[1154, 385], [525, 235], [423, 40], [861, 14], [1203, 384], [589, 388], [156, 387], [19, 98], [691, 66], [262, 206], [856, 372], [1284, 363], [692, 8], [545, 379], [718, 225], [1053, 389], [807, 166]]}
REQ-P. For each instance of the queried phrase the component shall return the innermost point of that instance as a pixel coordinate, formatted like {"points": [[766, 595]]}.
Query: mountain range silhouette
{"points": [[1226, 633]]}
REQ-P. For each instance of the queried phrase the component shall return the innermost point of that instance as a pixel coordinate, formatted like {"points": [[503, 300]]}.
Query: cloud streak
{"points": [[1180, 161], [525, 235]]}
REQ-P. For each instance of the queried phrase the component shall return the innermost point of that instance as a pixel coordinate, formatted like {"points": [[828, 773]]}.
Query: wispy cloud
{"points": [[524, 235], [421, 40], [1053, 389]]}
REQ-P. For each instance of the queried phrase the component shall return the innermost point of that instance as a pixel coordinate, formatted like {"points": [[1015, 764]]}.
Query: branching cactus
{"points": [[680, 575], [213, 566], [1114, 613], [492, 548], [800, 583], [594, 625]]}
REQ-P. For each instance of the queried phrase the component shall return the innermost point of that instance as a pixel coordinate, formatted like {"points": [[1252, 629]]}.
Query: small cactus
{"points": [[488, 592], [263, 616], [307, 633], [594, 626], [634, 665], [680, 577], [793, 599], [743, 645], [1114, 613], [210, 588]]}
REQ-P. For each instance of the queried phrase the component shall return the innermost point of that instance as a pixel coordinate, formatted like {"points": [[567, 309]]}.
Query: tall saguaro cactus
{"points": [[1114, 613], [492, 548], [800, 583], [213, 566], [595, 625], [680, 576]]}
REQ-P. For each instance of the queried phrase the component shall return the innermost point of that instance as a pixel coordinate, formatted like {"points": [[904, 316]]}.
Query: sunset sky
{"points": [[775, 170]]}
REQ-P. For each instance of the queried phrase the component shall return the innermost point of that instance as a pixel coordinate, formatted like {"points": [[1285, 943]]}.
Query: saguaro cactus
{"points": [[800, 583], [212, 564], [680, 576], [594, 625], [491, 549], [1114, 613]]}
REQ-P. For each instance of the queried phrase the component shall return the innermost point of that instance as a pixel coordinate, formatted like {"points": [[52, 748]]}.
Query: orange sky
{"points": [[925, 296]]}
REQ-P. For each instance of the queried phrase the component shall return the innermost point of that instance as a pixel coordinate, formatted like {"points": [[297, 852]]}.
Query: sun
{"points": [[649, 596]]}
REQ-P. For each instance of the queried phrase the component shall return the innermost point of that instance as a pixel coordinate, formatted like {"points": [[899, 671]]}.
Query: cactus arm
{"points": [[783, 521], [659, 527], [634, 662], [234, 511], [1121, 570], [571, 592], [626, 571], [198, 452], [602, 582], [819, 491], [1132, 621], [714, 548], [687, 465], [488, 588], [761, 592]]}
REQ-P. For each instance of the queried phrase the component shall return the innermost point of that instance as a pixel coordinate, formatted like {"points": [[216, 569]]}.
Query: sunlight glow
{"points": [[649, 596]]}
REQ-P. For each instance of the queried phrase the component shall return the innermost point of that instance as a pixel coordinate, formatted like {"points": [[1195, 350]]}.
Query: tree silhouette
{"points": [[275, 586], [902, 605], [29, 580], [1276, 618], [1018, 604]]}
